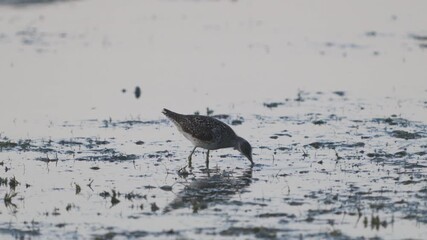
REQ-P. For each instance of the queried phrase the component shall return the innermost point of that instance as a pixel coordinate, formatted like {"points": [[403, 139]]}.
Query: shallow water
{"points": [[325, 167], [334, 106]]}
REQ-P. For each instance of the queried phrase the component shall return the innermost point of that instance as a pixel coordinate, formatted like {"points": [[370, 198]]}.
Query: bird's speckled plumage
{"points": [[208, 133]]}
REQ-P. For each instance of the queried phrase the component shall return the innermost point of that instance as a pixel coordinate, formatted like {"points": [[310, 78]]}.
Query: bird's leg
{"points": [[207, 159], [252, 164], [189, 157]]}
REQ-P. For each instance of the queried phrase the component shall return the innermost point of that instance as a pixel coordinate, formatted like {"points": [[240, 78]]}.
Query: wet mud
{"points": [[325, 167]]}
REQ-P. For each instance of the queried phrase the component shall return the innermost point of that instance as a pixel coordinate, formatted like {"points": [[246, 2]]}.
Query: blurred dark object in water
{"points": [[137, 92], [273, 104], [393, 121], [371, 34], [339, 93], [405, 135], [236, 122], [419, 37], [319, 122]]}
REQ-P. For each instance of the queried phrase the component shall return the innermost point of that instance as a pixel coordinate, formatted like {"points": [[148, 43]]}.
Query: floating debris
{"points": [[419, 37], [154, 207], [130, 196], [236, 122], [339, 93], [319, 122], [273, 104], [78, 188], [393, 121], [137, 92], [166, 188], [405, 135], [371, 34]]}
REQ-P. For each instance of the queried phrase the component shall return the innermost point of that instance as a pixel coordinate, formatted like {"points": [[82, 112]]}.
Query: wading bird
{"points": [[208, 133]]}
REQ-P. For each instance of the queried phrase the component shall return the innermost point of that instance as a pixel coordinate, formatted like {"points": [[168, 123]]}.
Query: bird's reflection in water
{"points": [[213, 189]]}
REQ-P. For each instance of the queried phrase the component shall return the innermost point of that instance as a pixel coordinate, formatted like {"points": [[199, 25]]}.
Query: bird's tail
{"points": [[170, 114]]}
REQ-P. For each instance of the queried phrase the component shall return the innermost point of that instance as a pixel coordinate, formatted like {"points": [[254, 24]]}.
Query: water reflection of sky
{"points": [[66, 61]]}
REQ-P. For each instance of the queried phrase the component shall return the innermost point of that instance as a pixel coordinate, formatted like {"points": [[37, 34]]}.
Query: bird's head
{"points": [[245, 148]]}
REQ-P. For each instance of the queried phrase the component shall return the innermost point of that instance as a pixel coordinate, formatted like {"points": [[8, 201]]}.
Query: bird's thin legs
{"points": [[252, 162], [207, 159], [189, 157], [191, 154]]}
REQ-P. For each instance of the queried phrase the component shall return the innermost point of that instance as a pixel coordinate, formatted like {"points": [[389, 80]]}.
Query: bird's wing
{"points": [[199, 128]]}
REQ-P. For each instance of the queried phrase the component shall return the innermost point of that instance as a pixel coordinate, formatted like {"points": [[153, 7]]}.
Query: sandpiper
{"points": [[208, 133]]}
